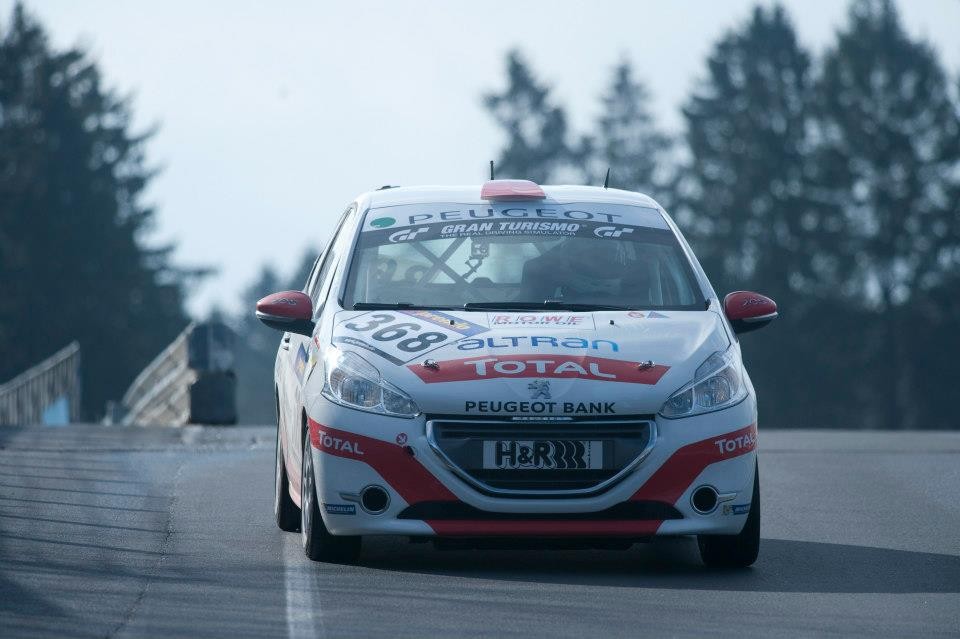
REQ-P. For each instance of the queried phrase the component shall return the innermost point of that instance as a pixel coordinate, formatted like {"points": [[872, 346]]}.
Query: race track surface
{"points": [[168, 532]]}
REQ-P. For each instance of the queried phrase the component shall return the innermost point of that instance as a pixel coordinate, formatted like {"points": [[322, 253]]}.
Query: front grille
{"points": [[624, 443]]}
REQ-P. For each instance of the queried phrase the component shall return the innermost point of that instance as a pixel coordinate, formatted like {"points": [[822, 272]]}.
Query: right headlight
{"points": [[717, 384], [354, 382]]}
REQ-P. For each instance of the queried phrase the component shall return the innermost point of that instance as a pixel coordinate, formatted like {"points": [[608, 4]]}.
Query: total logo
{"points": [[599, 369], [407, 235], [741, 443], [342, 445], [611, 231]]}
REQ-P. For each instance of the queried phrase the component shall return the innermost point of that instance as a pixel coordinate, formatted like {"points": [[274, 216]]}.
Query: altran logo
{"points": [[407, 234], [611, 231]]}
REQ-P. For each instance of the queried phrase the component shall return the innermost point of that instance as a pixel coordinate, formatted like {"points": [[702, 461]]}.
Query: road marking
{"points": [[304, 614]]}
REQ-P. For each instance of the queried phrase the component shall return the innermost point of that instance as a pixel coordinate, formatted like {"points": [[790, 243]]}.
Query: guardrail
{"points": [[26, 397], [190, 381]]}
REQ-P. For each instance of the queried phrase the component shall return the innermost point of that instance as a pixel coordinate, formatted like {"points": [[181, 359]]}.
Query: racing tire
{"points": [[735, 551], [318, 543], [284, 510]]}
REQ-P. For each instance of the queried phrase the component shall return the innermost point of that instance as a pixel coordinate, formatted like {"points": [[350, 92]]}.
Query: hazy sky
{"points": [[274, 115]]}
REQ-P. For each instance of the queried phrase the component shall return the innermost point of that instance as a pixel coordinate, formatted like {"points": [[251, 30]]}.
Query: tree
{"points": [[627, 140], [72, 260], [746, 202], [890, 150], [536, 129]]}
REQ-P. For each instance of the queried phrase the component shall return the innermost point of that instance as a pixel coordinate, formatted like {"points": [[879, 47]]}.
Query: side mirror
{"points": [[287, 311], [748, 311]]}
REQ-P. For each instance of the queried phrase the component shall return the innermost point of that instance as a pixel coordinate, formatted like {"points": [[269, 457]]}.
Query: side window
{"points": [[326, 263]]}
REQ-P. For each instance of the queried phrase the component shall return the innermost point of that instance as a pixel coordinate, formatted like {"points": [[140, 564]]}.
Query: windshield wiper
{"points": [[546, 304], [389, 306]]}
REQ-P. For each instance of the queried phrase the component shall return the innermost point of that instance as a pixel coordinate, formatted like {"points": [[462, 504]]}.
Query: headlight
{"points": [[717, 384], [356, 383]]}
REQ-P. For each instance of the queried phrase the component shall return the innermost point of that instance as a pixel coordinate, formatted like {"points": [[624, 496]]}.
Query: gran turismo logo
{"points": [[382, 222], [611, 231], [539, 389], [407, 234]]}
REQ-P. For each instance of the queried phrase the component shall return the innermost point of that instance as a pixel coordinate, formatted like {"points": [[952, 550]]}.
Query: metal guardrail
{"points": [[190, 381], [25, 398]]}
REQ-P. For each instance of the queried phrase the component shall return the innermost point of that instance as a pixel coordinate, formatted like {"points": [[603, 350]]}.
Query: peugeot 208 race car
{"points": [[514, 362]]}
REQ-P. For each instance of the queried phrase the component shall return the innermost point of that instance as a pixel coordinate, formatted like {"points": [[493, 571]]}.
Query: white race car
{"points": [[513, 364]]}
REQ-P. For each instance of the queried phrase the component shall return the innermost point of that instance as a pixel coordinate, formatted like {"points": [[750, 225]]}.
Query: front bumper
{"points": [[427, 498]]}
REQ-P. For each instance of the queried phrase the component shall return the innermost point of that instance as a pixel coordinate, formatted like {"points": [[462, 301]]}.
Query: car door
{"points": [[292, 357]]}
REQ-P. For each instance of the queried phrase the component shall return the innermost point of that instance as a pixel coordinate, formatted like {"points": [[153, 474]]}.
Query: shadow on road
{"points": [[784, 566]]}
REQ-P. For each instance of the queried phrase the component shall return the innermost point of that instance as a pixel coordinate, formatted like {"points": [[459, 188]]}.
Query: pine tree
{"points": [[536, 129], [890, 147], [627, 139], [72, 261], [744, 188]]}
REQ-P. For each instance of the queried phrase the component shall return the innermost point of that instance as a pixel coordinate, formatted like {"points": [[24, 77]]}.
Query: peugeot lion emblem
{"points": [[539, 388]]}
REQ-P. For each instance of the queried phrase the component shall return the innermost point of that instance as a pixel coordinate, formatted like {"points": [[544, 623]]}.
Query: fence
{"points": [[27, 398]]}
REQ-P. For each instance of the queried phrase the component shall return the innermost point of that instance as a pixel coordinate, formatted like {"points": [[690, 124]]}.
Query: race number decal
{"points": [[402, 336]]}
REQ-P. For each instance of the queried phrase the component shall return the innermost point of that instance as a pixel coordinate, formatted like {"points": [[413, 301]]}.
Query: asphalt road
{"points": [[169, 532]]}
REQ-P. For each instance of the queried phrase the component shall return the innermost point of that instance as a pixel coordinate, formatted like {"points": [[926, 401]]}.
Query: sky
{"points": [[273, 116]]}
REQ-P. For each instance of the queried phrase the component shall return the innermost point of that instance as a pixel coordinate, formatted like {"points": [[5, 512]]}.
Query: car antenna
{"points": [[606, 180], [491, 170]]}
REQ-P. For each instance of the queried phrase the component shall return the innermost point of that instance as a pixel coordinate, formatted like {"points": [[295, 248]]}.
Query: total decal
{"points": [[558, 366], [402, 336]]}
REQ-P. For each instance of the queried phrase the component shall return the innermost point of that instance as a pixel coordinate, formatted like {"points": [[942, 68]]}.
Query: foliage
{"points": [[72, 260]]}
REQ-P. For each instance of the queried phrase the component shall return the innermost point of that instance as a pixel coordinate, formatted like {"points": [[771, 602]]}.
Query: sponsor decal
{"points": [[396, 337], [518, 407], [451, 220], [543, 455], [300, 365], [558, 366], [340, 509], [539, 389], [553, 320], [656, 315], [329, 442], [635, 314], [736, 509], [408, 235], [734, 444], [401, 439], [538, 341], [611, 231]]}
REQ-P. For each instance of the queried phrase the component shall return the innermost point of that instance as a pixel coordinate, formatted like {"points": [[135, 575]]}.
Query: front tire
{"points": [[735, 551], [318, 543], [284, 510]]}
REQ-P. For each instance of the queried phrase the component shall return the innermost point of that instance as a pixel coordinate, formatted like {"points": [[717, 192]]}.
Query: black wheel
{"points": [[284, 510], [735, 551], [318, 543]]}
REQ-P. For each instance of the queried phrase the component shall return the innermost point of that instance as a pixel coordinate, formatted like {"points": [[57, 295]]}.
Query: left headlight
{"points": [[354, 382], [717, 384]]}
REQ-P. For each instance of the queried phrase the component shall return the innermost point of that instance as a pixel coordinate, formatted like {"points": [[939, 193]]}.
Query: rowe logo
{"points": [[600, 369]]}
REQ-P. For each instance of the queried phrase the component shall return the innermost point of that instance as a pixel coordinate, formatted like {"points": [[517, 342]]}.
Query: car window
{"points": [[322, 272], [598, 257]]}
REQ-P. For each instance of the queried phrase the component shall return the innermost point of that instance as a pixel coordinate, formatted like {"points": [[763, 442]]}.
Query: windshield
{"points": [[515, 256]]}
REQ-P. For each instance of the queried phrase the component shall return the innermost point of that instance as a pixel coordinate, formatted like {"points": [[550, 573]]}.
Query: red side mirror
{"points": [[749, 311], [287, 311]]}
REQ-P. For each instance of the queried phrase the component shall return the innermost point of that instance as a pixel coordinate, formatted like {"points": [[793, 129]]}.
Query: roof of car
{"points": [[471, 195]]}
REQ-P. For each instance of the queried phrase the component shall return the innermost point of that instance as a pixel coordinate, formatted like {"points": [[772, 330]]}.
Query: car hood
{"points": [[534, 363]]}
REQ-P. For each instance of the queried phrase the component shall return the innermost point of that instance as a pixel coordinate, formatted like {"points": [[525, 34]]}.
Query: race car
{"points": [[514, 363]]}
